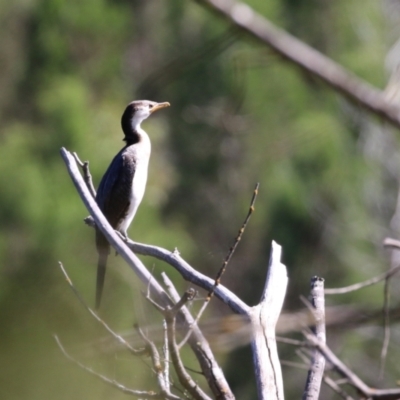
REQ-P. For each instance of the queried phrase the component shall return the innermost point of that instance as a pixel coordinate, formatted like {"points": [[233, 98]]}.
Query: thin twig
{"points": [[346, 372], [293, 342], [119, 338], [225, 262], [187, 296], [174, 259], [386, 328], [235, 243], [162, 379], [87, 176], [294, 364], [165, 350], [114, 383], [336, 388], [165, 74], [304, 355], [165, 388], [184, 378], [200, 346], [369, 282], [170, 318], [190, 274]]}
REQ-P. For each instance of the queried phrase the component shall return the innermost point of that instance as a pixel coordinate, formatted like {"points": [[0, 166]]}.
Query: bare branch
{"points": [[294, 364], [287, 322], [353, 379], [305, 57], [117, 337], [189, 295], [369, 282], [394, 256], [190, 274], [316, 371], [336, 388], [170, 314], [390, 242], [293, 342], [184, 378], [165, 349], [87, 176], [211, 370], [138, 267], [225, 263], [114, 383], [162, 380], [386, 327], [235, 244], [131, 259], [264, 317], [172, 258]]}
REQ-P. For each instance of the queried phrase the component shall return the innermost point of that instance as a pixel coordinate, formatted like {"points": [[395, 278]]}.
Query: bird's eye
{"points": [[150, 105]]}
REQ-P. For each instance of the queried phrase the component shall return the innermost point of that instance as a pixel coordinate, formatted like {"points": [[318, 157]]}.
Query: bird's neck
{"points": [[135, 136]]}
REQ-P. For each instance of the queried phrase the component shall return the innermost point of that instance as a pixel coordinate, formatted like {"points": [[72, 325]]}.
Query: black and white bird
{"points": [[122, 187]]}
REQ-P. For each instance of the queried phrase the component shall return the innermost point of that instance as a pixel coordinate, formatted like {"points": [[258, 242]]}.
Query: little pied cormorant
{"points": [[122, 186]]}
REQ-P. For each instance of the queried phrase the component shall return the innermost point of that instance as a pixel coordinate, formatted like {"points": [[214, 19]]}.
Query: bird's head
{"points": [[136, 112]]}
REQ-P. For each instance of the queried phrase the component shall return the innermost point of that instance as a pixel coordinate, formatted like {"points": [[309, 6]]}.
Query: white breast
{"points": [[142, 153]]}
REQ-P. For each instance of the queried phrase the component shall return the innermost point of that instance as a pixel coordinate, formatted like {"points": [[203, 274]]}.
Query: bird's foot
{"points": [[89, 221], [123, 236]]}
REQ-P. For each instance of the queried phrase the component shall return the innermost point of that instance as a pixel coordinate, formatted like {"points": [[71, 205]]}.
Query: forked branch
{"points": [[156, 291]]}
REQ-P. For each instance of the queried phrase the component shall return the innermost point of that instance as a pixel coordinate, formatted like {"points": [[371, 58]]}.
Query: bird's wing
{"points": [[115, 188], [113, 198]]}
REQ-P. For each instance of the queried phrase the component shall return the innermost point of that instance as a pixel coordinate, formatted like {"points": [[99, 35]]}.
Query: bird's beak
{"points": [[158, 106]]}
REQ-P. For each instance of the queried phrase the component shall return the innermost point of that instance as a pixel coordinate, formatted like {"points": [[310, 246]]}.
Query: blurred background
{"points": [[239, 115]]}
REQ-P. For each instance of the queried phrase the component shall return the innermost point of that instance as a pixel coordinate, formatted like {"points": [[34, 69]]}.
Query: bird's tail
{"points": [[101, 273]]}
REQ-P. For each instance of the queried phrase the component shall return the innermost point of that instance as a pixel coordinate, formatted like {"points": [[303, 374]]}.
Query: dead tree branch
{"points": [[170, 318], [114, 383], [369, 282], [117, 337], [87, 176], [114, 239], [386, 326], [190, 274], [201, 348], [351, 377], [390, 242], [308, 59], [316, 371], [184, 378], [225, 263], [137, 266], [264, 317], [162, 380], [336, 388], [235, 244]]}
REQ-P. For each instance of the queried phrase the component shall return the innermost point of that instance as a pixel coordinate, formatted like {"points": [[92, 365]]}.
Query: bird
{"points": [[123, 185]]}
